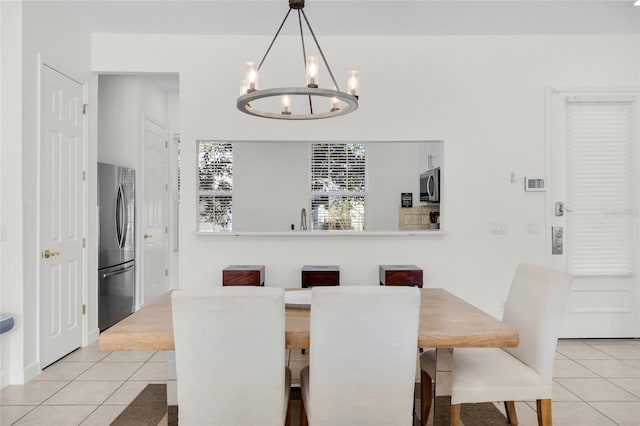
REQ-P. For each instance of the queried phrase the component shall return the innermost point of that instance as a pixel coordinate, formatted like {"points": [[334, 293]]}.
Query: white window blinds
{"points": [[215, 185], [600, 185], [338, 186]]}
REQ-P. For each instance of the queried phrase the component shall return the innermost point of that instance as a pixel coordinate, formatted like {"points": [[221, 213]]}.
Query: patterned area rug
{"points": [[484, 414], [150, 409]]}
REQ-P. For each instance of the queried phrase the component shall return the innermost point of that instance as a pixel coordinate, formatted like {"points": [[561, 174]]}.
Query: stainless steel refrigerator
{"points": [[117, 250]]}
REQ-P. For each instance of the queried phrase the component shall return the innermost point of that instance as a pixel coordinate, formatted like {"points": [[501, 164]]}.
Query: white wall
{"points": [[393, 168], [482, 95], [256, 205], [119, 120], [123, 101], [11, 244]]}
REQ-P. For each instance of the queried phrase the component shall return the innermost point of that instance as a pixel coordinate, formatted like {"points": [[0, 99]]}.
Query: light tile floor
{"points": [[87, 387], [597, 382]]}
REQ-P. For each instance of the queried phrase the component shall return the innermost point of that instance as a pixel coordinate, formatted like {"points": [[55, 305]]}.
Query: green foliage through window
{"points": [[338, 186], [215, 185]]}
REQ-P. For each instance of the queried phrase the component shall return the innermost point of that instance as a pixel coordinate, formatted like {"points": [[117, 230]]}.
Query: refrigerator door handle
{"points": [[121, 213], [119, 271]]}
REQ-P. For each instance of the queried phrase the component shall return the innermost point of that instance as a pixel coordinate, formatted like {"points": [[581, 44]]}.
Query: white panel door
{"points": [[61, 204], [155, 211], [593, 154]]}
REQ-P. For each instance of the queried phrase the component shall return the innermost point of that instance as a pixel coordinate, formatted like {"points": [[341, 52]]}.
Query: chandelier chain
{"points": [[304, 51], [326, 64], [304, 56]]}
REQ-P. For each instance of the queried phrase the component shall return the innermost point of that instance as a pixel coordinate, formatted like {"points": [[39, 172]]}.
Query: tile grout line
{"points": [[290, 359], [606, 379]]}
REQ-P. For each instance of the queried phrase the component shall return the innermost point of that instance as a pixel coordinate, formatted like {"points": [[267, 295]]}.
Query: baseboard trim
{"points": [[4, 380], [93, 336], [32, 371]]}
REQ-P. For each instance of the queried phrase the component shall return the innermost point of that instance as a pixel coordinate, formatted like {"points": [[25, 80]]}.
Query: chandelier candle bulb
{"points": [[285, 105], [335, 104], [243, 87], [353, 83], [312, 71], [252, 77]]}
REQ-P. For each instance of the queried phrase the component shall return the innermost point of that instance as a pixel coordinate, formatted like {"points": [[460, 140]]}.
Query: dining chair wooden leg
{"points": [[426, 396], [303, 413], [510, 409], [455, 415], [543, 407], [287, 419]]}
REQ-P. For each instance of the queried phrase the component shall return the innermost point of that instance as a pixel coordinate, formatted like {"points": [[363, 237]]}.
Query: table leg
{"points": [[442, 386], [172, 389], [444, 358]]}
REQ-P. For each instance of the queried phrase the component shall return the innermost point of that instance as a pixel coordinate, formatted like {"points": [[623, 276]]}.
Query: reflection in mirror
{"points": [[263, 186]]}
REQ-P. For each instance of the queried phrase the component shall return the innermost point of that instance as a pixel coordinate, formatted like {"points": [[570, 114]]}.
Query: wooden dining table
{"points": [[446, 321]]}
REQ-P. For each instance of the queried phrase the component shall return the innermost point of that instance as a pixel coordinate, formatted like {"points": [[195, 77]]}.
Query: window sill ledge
{"points": [[326, 234]]}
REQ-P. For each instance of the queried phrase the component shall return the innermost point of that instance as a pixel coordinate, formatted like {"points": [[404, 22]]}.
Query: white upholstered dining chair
{"points": [[535, 307], [363, 354], [230, 356]]}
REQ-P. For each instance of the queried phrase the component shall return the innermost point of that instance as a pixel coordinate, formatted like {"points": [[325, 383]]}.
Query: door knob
{"points": [[147, 236], [48, 253]]}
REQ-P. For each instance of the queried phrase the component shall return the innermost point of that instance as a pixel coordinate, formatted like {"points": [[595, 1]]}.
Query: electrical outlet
{"points": [[532, 228]]}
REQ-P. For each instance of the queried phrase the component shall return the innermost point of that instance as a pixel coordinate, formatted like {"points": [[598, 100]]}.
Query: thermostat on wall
{"points": [[534, 183]]}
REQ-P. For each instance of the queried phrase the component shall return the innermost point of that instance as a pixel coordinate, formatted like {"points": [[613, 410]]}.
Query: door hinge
{"points": [[84, 109], [84, 175], [166, 272], [166, 229], [84, 309], [84, 243], [166, 144]]}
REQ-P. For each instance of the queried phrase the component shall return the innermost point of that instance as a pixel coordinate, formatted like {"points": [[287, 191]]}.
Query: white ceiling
{"points": [[370, 17], [345, 17]]}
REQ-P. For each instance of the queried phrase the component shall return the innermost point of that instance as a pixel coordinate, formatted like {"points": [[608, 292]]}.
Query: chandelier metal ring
{"points": [[244, 102]]}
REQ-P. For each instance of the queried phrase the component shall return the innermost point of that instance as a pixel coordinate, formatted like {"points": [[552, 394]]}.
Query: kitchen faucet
{"points": [[303, 220]]}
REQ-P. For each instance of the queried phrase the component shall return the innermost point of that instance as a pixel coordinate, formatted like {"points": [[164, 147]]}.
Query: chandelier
{"points": [[317, 102]]}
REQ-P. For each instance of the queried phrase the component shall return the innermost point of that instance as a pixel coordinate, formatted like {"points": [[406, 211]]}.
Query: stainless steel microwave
{"points": [[430, 186]]}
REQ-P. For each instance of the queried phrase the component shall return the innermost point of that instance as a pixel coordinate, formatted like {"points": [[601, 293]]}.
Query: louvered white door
{"points": [[61, 203], [594, 173], [155, 211]]}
